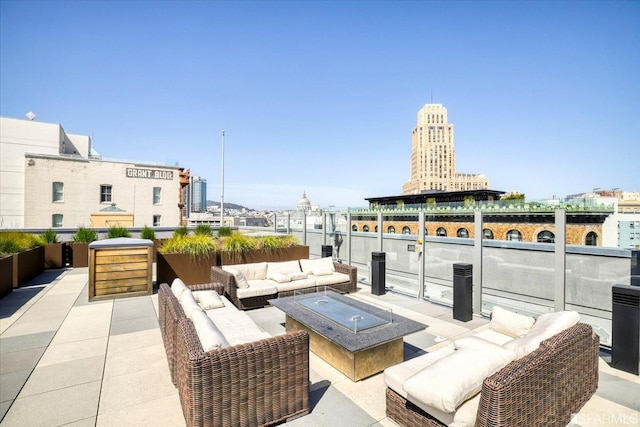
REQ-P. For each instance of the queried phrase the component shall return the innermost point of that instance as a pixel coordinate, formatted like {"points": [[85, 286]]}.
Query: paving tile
{"points": [[132, 308], [600, 412], [165, 411], [87, 422], [73, 351], [25, 342], [623, 392], [56, 407], [139, 359], [66, 374], [122, 391], [20, 360], [12, 383], [4, 408], [368, 394], [133, 325], [26, 328], [134, 340], [39, 314]]}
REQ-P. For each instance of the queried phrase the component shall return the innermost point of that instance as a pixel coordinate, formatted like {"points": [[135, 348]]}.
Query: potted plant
{"points": [[53, 249], [242, 249], [149, 234], [80, 246], [116, 231], [23, 251], [188, 257]]}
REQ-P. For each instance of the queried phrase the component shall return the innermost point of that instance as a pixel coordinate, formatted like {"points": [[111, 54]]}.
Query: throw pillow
{"points": [[510, 323], [177, 287], [241, 281], [480, 344], [297, 276], [453, 379], [188, 303], [208, 299], [210, 336], [278, 277], [319, 263], [556, 322], [321, 272]]}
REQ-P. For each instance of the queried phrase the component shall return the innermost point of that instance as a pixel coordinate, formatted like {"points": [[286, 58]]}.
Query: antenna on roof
{"points": [[30, 115]]}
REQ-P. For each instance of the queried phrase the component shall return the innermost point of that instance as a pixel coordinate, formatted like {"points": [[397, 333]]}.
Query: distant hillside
{"points": [[228, 205]]}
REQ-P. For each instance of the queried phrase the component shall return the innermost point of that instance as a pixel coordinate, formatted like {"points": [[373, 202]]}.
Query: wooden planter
{"points": [[195, 271], [6, 275], [80, 254], [54, 255], [120, 268], [190, 271], [27, 265]]}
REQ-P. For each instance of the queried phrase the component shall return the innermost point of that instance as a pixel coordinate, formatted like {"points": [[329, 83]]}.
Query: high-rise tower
{"points": [[433, 158]]}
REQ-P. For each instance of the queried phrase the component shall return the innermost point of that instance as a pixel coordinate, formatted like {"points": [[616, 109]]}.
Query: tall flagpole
{"points": [[222, 190]]}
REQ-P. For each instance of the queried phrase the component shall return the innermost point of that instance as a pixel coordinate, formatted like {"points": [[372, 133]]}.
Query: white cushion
{"points": [[453, 379], [321, 272], [493, 336], [320, 263], [510, 323], [284, 267], [188, 303], [296, 284], [177, 287], [278, 277], [467, 413], [241, 280], [252, 271], [556, 322], [396, 375], [297, 276], [238, 328], [210, 336], [480, 344], [208, 299], [330, 279], [528, 343], [258, 288]]}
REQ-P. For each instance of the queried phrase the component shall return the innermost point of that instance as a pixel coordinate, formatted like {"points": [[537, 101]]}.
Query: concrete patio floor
{"points": [[65, 361]]}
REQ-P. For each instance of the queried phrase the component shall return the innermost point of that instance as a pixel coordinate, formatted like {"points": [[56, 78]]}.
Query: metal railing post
{"points": [[477, 262], [560, 260]]}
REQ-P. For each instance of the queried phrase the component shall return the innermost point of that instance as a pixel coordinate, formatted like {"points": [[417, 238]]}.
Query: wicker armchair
{"points": [[541, 389]]}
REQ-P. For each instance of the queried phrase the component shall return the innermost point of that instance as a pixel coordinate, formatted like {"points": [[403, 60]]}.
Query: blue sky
{"points": [[322, 96]]}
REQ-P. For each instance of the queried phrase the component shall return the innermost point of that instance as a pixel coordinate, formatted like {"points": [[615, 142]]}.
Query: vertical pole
{"points": [[560, 259], [421, 228], [349, 237], [380, 231], [304, 227], [288, 219], [324, 227], [477, 262], [222, 185]]}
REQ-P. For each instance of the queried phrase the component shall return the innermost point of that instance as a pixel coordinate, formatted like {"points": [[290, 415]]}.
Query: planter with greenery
{"points": [[116, 231], [149, 234], [80, 246], [26, 256], [191, 257], [53, 250]]}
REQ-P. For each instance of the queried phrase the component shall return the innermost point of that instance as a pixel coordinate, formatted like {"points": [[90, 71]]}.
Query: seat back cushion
{"points": [[453, 379], [510, 323], [284, 267], [177, 287], [208, 299], [241, 280], [210, 336], [252, 271], [507, 355], [318, 267], [188, 303], [556, 322]]}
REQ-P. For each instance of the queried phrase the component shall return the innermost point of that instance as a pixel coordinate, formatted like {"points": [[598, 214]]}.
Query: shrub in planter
{"points": [[27, 256], [80, 247], [85, 235], [188, 257], [203, 230], [116, 231], [53, 249], [181, 231], [224, 232], [147, 233]]}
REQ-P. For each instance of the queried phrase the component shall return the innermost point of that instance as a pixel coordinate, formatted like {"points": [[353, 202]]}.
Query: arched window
{"points": [[487, 234], [365, 228], [514, 235], [546, 237], [463, 232], [391, 229], [354, 227], [441, 232], [375, 229], [591, 239], [406, 230]]}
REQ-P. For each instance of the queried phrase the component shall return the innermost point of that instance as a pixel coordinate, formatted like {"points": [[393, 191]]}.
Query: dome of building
{"points": [[304, 204]]}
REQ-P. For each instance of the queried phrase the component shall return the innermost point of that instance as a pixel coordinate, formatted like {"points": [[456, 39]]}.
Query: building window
{"points": [[105, 193], [375, 229], [365, 228], [441, 232], [157, 193], [354, 227], [463, 232], [391, 229], [156, 220], [591, 239], [58, 192], [546, 237], [514, 235], [406, 230], [56, 220], [487, 234]]}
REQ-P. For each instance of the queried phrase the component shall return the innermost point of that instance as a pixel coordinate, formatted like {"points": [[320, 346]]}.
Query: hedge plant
{"points": [[85, 235], [116, 231], [13, 242], [147, 233], [49, 237]]}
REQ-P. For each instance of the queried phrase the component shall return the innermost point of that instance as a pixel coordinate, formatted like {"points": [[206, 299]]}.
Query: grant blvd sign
{"points": [[149, 173]]}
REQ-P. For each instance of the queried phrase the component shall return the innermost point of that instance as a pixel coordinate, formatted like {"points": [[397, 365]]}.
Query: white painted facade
{"points": [[35, 155]]}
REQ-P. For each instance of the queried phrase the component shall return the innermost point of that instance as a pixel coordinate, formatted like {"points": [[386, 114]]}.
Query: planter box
{"points": [[191, 271], [120, 268], [27, 265], [6, 275], [262, 255], [54, 255], [195, 271], [80, 254]]}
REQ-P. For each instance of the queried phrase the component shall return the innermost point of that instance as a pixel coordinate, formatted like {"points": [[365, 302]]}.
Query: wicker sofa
{"points": [[252, 285], [262, 382], [543, 387]]}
